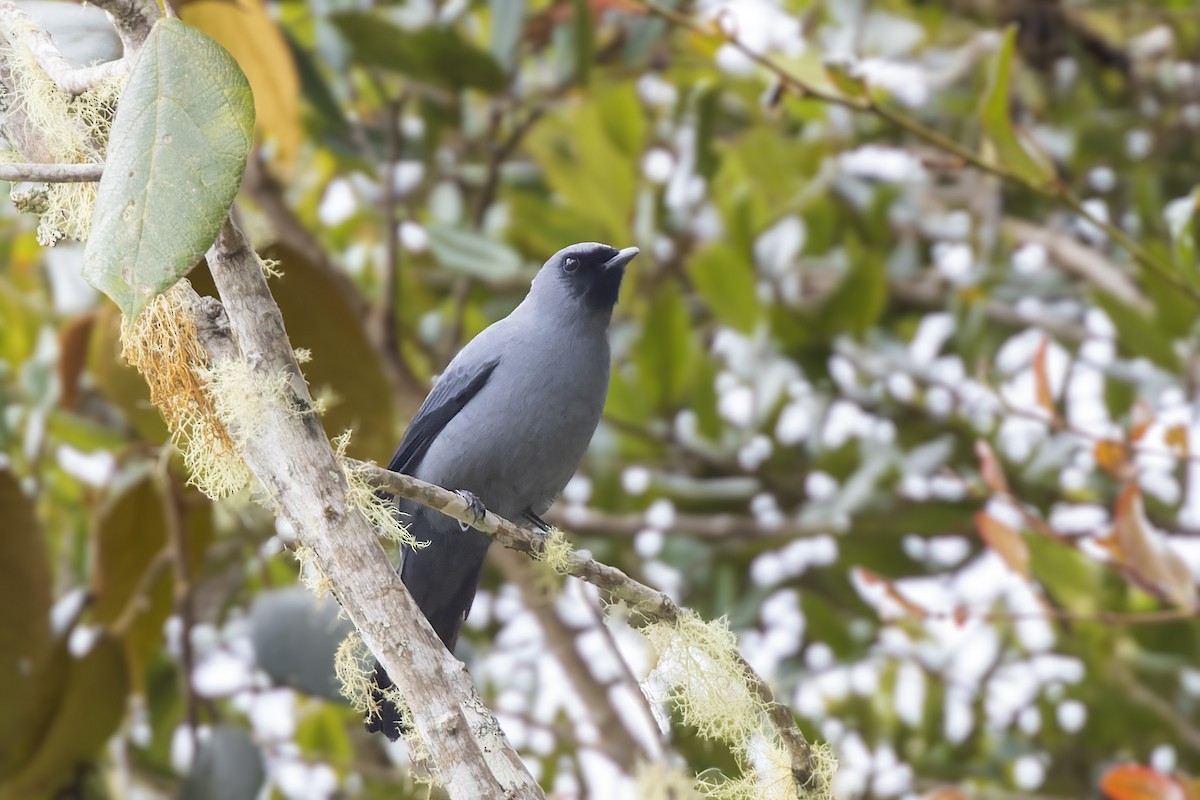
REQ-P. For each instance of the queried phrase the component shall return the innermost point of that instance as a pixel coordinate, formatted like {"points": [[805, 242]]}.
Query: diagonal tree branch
{"points": [[290, 456], [646, 604]]}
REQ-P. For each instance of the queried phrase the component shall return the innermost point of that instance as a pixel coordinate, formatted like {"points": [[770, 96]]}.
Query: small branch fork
{"points": [[71, 79]]}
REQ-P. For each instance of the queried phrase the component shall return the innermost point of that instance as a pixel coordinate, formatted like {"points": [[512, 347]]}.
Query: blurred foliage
{"points": [[926, 435]]}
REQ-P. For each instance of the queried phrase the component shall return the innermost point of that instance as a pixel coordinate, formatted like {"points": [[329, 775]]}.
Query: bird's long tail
{"points": [[389, 721], [442, 579]]}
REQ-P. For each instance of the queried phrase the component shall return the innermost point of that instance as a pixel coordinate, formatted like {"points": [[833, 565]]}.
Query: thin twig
{"points": [[139, 597], [1084, 261], [51, 173], [388, 316], [719, 527], [177, 546]]}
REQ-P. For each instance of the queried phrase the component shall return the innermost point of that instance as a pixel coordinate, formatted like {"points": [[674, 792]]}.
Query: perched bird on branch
{"points": [[506, 426]]}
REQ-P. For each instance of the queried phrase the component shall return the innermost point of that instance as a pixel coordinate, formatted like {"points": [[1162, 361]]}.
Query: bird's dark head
{"points": [[588, 273]]}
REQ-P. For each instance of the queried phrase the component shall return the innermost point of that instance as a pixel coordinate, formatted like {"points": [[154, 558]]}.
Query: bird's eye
{"points": [[570, 265]]}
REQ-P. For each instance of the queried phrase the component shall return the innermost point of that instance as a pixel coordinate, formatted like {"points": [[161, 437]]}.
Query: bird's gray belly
{"points": [[513, 448]]}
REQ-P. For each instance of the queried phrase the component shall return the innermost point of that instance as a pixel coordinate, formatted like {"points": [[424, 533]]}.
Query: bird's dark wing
{"points": [[450, 394]]}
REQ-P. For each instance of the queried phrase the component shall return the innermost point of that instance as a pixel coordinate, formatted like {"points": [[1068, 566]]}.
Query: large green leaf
{"points": [[858, 301], [430, 55], [1011, 154], [665, 352], [725, 279], [75, 721], [583, 162], [463, 250], [129, 535], [296, 637], [24, 607], [176, 154]]}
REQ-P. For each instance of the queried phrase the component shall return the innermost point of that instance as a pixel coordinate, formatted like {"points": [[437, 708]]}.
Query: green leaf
{"points": [[471, 253], [665, 353], [624, 120], [176, 154], [859, 300], [725, 280], [76, 719], [296, 637], [1137, 334], [1010, 154], [430, 55], [24, 608], [588, 170], [129, 535]]}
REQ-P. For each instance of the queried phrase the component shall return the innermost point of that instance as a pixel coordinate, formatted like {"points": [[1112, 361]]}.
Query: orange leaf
{"points": [[1136, 782], [254, 39], [1144, 552], [1177, 439], [989, 467], [1005, 541], [873, 578], [1110, 456], [1041, 379]]}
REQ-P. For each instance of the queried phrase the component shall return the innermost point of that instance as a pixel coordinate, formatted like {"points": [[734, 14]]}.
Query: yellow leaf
{"points": [[1110, 456], [256, 43], [1177, 440]]}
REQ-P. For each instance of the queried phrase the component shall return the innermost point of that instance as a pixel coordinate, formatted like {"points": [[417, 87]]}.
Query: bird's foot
{"points": [[475, 508], [537, 522]]}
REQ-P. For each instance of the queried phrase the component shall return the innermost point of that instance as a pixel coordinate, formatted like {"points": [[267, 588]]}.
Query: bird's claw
{"points": [[475, 508], [538, 522]]}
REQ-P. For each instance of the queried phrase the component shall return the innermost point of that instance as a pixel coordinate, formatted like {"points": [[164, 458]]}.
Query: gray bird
{"points": [[506, 426]]}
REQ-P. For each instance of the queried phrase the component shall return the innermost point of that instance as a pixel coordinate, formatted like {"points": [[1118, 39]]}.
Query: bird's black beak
{"points": [[622, 258]]}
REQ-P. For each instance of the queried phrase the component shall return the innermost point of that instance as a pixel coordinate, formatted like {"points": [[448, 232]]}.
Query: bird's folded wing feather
{"points": [[450, 395]]}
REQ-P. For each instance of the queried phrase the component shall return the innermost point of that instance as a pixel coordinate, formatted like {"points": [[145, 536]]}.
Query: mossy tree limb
{"points": [[647, 605], [297, 470]]}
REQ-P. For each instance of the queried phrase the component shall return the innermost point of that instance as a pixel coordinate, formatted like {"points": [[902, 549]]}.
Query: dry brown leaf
{"points": [[1007, 542]]}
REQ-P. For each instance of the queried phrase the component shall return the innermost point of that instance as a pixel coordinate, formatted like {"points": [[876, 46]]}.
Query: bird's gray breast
{"points": [[519, 440]]}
